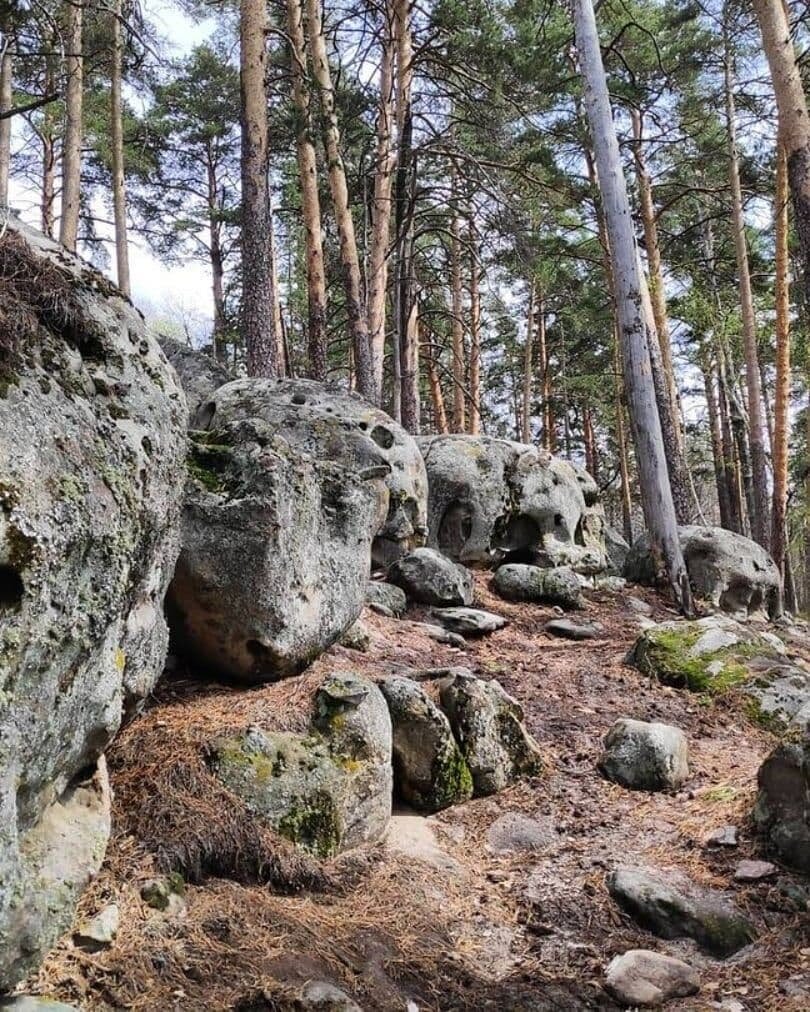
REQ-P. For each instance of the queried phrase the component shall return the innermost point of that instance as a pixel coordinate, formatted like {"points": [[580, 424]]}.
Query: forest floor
{"points": [[439, 916]]}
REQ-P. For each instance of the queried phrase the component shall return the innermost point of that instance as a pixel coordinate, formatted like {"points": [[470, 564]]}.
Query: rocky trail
{"points": [[499, 902]]}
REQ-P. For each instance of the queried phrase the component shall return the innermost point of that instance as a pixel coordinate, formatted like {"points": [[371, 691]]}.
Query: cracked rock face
{"points": [[92, 439], [332, 425], [493, 500]]}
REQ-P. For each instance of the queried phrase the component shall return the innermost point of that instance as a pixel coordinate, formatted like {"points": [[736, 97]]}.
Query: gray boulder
{"points": [[645, 756], [333, 425], [429, 577], [199, 374], [728, 571], [488, 725], [469, 621], [671, 912], [430, 773], [782, 811], [329, 790], [565, 629], [493, 499], [617, 549], [520, 582], [386, 598], [92, 439], [276, 549], [644, 979]]}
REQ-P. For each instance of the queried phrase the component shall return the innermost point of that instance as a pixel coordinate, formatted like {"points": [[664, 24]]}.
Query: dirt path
{"points": [[447, 921]]}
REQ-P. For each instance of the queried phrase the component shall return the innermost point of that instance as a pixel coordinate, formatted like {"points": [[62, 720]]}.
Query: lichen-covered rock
{"points": [[199, 374], [493, 499], [429, 577], [357, 637], [275, 554], [327, 791], [617, 549], [331, 424], [488, 725], [430, 773], [641, 978], [782, 810], [645, 756], [469, 621], [672, 910], [92, 438], [726, 570], [386, 598], [520, 582]]}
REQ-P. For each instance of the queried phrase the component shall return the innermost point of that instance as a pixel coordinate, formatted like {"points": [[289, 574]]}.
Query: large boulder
{"points": [[199, 374], [641, 978], [493, 500], [517, 581], [92, 438], [333, 425], [276, 548], [726, 570], [429, 577], [326, 791], [617, 549], [782, 810], [645, 756]]}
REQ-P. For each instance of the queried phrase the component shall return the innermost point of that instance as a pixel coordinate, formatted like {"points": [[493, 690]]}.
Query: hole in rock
{"points": [[518, 533], [11, 588], [455, 528], [299, 399], [205, 415], [382, 437]]}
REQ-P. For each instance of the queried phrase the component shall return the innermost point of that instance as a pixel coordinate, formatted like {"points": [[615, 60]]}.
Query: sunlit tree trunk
{"points": [[720, 477], [782, 391], [528, 369], [621, 442], [474, 419], [117, 145], [549, 441], [634, 334], [358, 325], [434, 383], [6, 100], [457, 309], [217, 260], [72, 142], [310, 200]]}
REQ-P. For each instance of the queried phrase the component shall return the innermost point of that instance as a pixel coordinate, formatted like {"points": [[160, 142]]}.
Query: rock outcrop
{"points": [[493, 500], [92, 438], [782, 810], [726, 570], [199, 374], [332, 425], [428, 577]]}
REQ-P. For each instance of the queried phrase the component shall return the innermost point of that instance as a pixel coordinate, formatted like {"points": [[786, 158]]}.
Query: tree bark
{"points": [[760, 524], [474, 419], [720, 477], [782, 391], [117, 144], [635, 338], [72, 142], [436, 395], [528, 369], [549, 441], [457, 323], [6, 102], [621, 442], [310, 200], [358, 326], [217, 260]]}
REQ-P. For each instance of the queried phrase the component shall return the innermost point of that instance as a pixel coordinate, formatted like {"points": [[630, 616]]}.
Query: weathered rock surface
{"points": [[386, 598], [566, 629], [670, 912], [321, 996], [100, 931], [430, 773], [429, 577], [645, 756], [92, 435], [754, 871], [643, 978], [29, 1003], [782, 810], [488, 725], [727, 570], [492, 498], [276, 546], [357, 637], [469, 621], [327, 791], [514, 832], [617, 549], [520, 582], [199, 374], [331, 424]]}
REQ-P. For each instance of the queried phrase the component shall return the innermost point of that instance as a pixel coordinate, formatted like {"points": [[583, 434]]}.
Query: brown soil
{"points": [[517, 931]]}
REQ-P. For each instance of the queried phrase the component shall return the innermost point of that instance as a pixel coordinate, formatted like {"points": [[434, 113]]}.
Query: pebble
{"points": [[723, 836], [754, 871]]}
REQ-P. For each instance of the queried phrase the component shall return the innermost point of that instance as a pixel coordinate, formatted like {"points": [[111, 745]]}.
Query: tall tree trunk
{"points": [[589, 436], [46, 134], [117, 144], [457, 323], [434, 383], [794, 123], [278, 326], [474, 420], [725, 398], [217, 260], [621, 442], [721, 480], [411, 404], [528, 369], [310, 200], [6, 101], [782, 392], [760, 524], [381, 220], [635, 338], [549, 441], [358, 325], [72, 142]]}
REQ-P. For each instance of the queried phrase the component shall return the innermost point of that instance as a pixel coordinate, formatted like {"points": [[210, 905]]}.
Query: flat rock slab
{"points": [[754, 871], [469, 621], [713, 922], [414, 836], [642, 978], [27, 1003], [723, 836], [441, 635], [514, 832], [568, 630]]}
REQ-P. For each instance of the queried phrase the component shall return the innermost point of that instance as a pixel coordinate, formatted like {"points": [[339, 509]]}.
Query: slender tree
{"points": [[117, 145], [782, 390], [72, 142], [6, 104]]}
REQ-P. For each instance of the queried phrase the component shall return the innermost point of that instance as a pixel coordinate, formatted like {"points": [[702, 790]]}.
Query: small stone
{"points": [[100, 931], [469, 621], [357, 637], [515, 832], [639, 606], [320, 994], [165, 894], [645, 756], [754, 871], [723, 836], [440, 635], [641, 977], [386, 598], [569, 630]]}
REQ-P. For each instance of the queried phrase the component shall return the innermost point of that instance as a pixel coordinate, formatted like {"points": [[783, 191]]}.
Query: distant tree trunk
{"points": [[635, 337], [381, 219], [474, 421], [117, 145], [760, 524], [310, 200], [621, 442], [807, 512], [589, 436], [278, 327], [6, 101], [794, 123], [763, 382], [528, 369], [72, 142], [45, 132], [436, 395], [549, 441], [217, 260], [730, 469], [782, 391], [457, 323], [358, 325], [720, 476]]}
